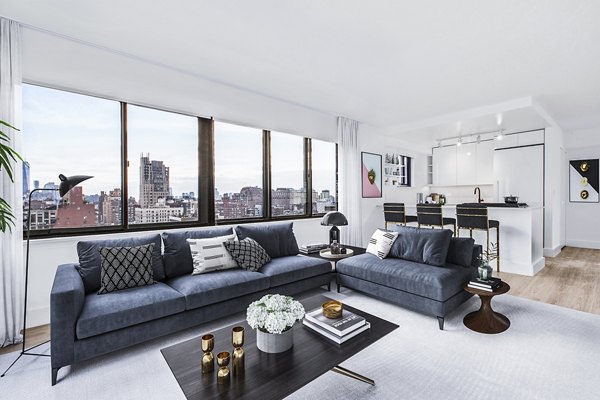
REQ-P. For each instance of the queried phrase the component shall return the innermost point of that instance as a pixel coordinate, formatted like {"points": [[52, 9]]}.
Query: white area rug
{"points": [[549, 352]]}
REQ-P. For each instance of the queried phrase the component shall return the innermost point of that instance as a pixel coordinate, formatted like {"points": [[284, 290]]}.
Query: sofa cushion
{"points": [[433, 282], [247, 253], [125, 267], [127, 307], [381, 243], [460, 251], [177, 255], [289, 269], [210, 254], [214, 287], [90, 260], [428, 246], [277, 239]]}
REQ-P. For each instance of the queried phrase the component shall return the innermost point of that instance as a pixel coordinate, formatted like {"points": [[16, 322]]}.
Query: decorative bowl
{"points": [[332, 309]]}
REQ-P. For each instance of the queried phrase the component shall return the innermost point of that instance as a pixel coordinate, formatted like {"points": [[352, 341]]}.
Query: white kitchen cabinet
{"points": [[444, 166], [485, 163], [466, 164]]}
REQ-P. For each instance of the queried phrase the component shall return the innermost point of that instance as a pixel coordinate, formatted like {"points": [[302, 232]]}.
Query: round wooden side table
{"points": [[486, 320]]}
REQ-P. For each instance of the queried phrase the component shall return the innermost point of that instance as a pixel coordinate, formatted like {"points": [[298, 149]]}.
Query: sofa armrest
{"points": [[66, 302], [477, 252]]}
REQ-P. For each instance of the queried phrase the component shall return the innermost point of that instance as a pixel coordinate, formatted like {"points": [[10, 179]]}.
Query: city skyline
{"points": [[49, 114]]}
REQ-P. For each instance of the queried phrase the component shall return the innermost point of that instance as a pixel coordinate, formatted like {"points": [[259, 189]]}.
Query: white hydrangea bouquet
{"points": [[274, 313]]}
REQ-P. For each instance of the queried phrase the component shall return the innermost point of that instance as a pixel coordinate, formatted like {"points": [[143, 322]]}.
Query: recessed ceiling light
{"points": [[459, 143]]}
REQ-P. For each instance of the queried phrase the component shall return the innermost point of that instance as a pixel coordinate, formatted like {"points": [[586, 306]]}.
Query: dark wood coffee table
{"points": [[486, 320], [270, 376]]}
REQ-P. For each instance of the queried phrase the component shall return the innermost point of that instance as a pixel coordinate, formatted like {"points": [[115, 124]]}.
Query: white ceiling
{"points": [[385, 63]]}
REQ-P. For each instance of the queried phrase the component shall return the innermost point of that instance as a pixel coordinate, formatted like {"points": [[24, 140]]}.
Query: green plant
{"points": [[492, 253], [7, 156]]}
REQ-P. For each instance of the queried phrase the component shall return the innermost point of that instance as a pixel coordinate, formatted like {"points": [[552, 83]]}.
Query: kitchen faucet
{"points": [[477, 191]]}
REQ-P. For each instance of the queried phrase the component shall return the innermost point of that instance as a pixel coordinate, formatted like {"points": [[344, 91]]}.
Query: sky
{"points": [[75, 134]]}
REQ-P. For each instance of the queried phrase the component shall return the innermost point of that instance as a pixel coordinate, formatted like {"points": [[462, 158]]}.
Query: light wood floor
{"points": [[572, 280]]}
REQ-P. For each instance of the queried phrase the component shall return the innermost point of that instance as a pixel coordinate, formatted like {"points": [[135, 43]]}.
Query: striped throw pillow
{"points": [[211, 255], [381, 243]]}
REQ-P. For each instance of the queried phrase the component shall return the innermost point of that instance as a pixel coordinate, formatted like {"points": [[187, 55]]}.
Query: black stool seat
{"points": [[395, 213], [475, 217], [431, 215]]}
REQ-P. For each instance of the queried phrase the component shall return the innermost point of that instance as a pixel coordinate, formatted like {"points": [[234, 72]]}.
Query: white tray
{"points": [[327, 254]]}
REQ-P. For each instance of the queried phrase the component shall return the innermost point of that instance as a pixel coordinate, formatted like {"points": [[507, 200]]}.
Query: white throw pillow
{"points": [[381, 243], [210, 254]]}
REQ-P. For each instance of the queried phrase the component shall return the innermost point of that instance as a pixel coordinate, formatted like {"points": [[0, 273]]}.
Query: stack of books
{"points": [[338, 330], [489, 285], [312, 248]]}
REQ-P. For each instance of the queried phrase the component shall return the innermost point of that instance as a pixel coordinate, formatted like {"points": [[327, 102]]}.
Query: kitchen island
{"points": [[521, 236]]}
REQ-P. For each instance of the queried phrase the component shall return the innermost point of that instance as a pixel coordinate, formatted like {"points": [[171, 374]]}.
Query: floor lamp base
{"points": [[26, 352]]}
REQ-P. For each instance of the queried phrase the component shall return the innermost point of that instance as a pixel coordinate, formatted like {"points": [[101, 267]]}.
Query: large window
{"points": [[238, 172], [324, 179], [71, 134], [152, 167], [288, 188], [163, 166]]}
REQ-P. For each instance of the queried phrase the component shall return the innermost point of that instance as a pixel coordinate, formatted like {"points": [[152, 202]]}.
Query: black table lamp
{"points": [[66, 184], [334, 219]]}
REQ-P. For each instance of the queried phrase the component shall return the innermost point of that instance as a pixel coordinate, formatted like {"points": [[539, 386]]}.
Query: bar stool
{"points": [[475, 217], [431, 215], [396, 213]]}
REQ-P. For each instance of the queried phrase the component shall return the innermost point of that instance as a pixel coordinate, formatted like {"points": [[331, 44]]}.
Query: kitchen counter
{"points": [[521, 235]]}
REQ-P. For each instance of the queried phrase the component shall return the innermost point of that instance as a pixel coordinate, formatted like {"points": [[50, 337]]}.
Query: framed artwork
{"points": [[371, 175], [583, 181]]}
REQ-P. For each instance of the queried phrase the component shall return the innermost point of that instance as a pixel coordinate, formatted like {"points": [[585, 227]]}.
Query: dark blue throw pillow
{"points": [[426, 246], [90, 260], [460, 251], [277, 239], [177, 256]]}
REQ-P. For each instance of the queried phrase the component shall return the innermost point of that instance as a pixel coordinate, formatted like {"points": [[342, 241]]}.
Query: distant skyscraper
{"points": [[26, 188], [36, 184], [154, 181]]}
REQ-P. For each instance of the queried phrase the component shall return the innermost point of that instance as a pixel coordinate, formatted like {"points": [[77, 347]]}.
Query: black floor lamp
{"points": [[66, 184]]}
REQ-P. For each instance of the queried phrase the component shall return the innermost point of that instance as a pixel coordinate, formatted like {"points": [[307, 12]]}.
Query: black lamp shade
{"points": [[334, 218], [69, 183]]}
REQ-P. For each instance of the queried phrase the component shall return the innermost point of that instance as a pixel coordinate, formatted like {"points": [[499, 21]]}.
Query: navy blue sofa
{"points": [[85, 325], [425, 271]]}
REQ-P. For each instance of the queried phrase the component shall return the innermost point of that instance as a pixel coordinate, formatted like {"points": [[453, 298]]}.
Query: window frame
{"points": [[206, 181]]}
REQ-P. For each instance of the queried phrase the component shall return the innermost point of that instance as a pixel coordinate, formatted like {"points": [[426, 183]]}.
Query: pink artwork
{"points": [[371, 175]]}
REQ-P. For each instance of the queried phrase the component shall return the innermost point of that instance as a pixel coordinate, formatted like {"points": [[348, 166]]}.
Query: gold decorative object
{"points": [[237, 357], [584, 194], [584, 166], [584, 181], [371, 176], [332, 309], [208, 360], [223, 374]]}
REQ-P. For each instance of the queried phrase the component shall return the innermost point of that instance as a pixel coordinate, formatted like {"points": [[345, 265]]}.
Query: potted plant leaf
{"points": [[7, 156]]}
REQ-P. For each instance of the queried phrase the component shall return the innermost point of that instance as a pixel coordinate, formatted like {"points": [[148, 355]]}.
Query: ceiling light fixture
{"points": [[459, 143], [500, 135], [478, 139]]}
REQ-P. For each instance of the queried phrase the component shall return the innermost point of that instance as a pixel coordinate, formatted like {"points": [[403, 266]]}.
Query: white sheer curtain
{"points": [[11, 244], [349, 180]]}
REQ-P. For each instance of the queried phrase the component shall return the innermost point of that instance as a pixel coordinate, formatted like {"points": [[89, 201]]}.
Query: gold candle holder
{"points": [[208, 360], [332, 309], [237, 357], [223, 361]]}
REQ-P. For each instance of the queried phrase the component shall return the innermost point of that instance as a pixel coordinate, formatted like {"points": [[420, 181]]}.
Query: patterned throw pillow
{"points": [[248, 253], [381, 243], [210, 254], [125, 267]]}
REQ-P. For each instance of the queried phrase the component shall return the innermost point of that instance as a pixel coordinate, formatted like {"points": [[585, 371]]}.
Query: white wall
{"points": [[554, 211], [582, 219]]}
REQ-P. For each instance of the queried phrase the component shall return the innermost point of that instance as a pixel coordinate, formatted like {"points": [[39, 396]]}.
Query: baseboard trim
{"points": [[552, 252], [538, 265], [586, 244], [38, 316]]}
